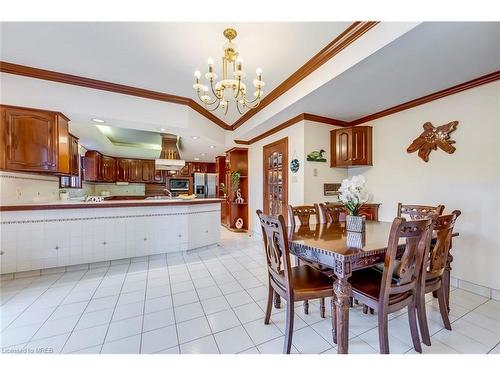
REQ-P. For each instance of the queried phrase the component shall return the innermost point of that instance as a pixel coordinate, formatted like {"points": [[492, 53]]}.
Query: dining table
{"points": [[332, 246]]}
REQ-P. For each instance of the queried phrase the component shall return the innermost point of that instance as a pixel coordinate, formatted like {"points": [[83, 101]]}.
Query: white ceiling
{"points": [[163, 56], [431, 57]]}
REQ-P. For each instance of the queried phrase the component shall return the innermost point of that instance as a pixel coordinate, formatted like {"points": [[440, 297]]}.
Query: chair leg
{"points": [[365, 309], [434, 294], [443, 308], [306, 307], [371, 310], [277, 300], [269, 307], [334, 321], [383, 333], [356, 301], [289, 327], [422, 319], [322, 307], [351, 302], [412, 317]]}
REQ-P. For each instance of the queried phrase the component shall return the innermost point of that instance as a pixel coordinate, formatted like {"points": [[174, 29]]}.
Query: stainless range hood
{"points": [[170, 159]]}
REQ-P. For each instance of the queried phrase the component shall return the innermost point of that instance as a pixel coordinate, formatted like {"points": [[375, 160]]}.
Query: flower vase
{"points": [[355, 223]]}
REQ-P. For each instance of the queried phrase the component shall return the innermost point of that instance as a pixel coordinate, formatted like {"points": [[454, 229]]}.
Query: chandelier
{"points": [[230, 88]]}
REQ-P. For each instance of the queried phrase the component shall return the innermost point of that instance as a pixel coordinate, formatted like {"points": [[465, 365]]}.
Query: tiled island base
{"points": [[72, 238]]}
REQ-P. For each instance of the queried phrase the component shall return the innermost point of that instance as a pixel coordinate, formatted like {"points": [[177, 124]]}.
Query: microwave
{"points": [[179, 184]]}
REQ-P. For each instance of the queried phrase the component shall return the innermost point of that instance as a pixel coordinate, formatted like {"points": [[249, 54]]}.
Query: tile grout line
{"points": [[91, 298], [60, 304], [116, 304], [32, 302], [173, 309]]}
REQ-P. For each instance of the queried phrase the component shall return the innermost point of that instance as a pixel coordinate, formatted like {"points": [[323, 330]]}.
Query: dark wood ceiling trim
{"points": [[351, 34], [290, 122], [70, 79], [488, 78]]}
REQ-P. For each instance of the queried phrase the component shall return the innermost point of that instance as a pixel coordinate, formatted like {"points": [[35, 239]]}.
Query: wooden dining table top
{"points": [[326, 242]]}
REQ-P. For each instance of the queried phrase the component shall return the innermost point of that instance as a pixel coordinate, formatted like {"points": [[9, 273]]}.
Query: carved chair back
{"points": [[443, 227], [303, 214], [332, 213], [418, 236], [418, 212], [276, 250]]}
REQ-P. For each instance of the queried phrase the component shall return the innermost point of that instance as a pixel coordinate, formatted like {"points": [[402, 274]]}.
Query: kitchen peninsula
{"points": [[38, 236]]}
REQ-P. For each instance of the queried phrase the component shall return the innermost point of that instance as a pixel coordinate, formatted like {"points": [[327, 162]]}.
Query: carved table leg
{"points": [[277, 300], [446, 280], [342, 290]]}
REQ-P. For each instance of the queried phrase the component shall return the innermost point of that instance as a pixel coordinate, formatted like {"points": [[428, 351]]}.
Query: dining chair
{"points": [[387, 294], [298, 283], [416, 212], [303, 215], [434, 274], [331, 213]]}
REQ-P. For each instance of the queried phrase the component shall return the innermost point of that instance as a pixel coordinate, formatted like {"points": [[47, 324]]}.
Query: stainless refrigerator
{"points": [[205, 184]]}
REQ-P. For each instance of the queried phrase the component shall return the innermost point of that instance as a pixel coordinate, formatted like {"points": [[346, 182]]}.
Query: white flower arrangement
{"points": [[353, 194]]}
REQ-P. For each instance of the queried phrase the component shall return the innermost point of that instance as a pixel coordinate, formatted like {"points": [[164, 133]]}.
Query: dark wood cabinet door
{"points": [[122, 170], [93, 166], [148, 170], [108, 169], [74, 157], [361, 145], [135, 170], [342, 149], [31, 140], [184, 171], [210, 167]]}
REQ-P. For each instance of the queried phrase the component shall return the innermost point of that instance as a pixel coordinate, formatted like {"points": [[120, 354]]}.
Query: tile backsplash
{"points": [[16, 187], [27, 188]]}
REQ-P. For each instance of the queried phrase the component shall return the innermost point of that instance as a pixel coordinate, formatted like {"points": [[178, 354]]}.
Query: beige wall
{"points": [[468, 180]]}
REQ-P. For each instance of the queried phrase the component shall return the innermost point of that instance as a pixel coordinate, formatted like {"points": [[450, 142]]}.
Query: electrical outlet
{"points": [[19, 193]]}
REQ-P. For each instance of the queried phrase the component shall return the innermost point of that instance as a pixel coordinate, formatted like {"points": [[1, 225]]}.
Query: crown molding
{"points": [[70, 79], [350, 35], [488, 78], [290, 122]]}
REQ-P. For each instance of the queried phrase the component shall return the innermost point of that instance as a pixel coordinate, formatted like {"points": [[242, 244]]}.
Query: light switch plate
{"points": [[315, 172]]}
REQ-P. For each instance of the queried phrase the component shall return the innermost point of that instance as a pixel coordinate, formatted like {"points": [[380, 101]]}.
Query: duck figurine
{"points": [[316, 156]]}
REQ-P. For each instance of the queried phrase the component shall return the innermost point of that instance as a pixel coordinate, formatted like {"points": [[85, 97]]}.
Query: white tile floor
{"points": [[210, 300]]}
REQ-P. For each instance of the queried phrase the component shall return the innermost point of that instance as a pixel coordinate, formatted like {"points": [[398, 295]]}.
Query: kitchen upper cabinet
{"points": [[122, 170], [186, 170], [351, 146], [93, 166], [108, 169], [135, 170], [148, 170], [74, 157], [34, 140]]}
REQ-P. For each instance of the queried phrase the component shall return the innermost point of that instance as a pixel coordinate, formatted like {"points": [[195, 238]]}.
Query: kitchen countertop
{"points": [[107, 204]]}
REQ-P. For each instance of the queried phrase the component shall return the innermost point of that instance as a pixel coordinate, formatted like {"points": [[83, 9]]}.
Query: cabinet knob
{"points": [[145, 239], [57, 247], [104, 243], [180, 235], [2, 253], [206, 231]]}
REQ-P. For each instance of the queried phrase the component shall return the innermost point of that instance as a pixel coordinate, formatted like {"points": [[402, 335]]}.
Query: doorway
{"points": [[275, 174]]}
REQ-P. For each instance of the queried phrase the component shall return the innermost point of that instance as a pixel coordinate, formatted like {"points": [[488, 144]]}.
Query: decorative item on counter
{"points": [[239, 199], [353, 196], [94, 198], [316, 156], [432, 138], [186, 196], [235, 181], [239, 223], [63, 194], [223, 189]]}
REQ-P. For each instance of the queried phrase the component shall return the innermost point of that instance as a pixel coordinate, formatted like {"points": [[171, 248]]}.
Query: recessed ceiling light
{"points": [[211, 146], [195, 137], [98, 120], [196, 158], [202, 154]]}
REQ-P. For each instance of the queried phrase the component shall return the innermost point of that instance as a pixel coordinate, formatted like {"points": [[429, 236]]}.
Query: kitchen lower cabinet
{"points": [[68, 237]]}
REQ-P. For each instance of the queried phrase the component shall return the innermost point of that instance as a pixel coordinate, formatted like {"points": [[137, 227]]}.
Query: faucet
{"points": [[168, 191]]}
